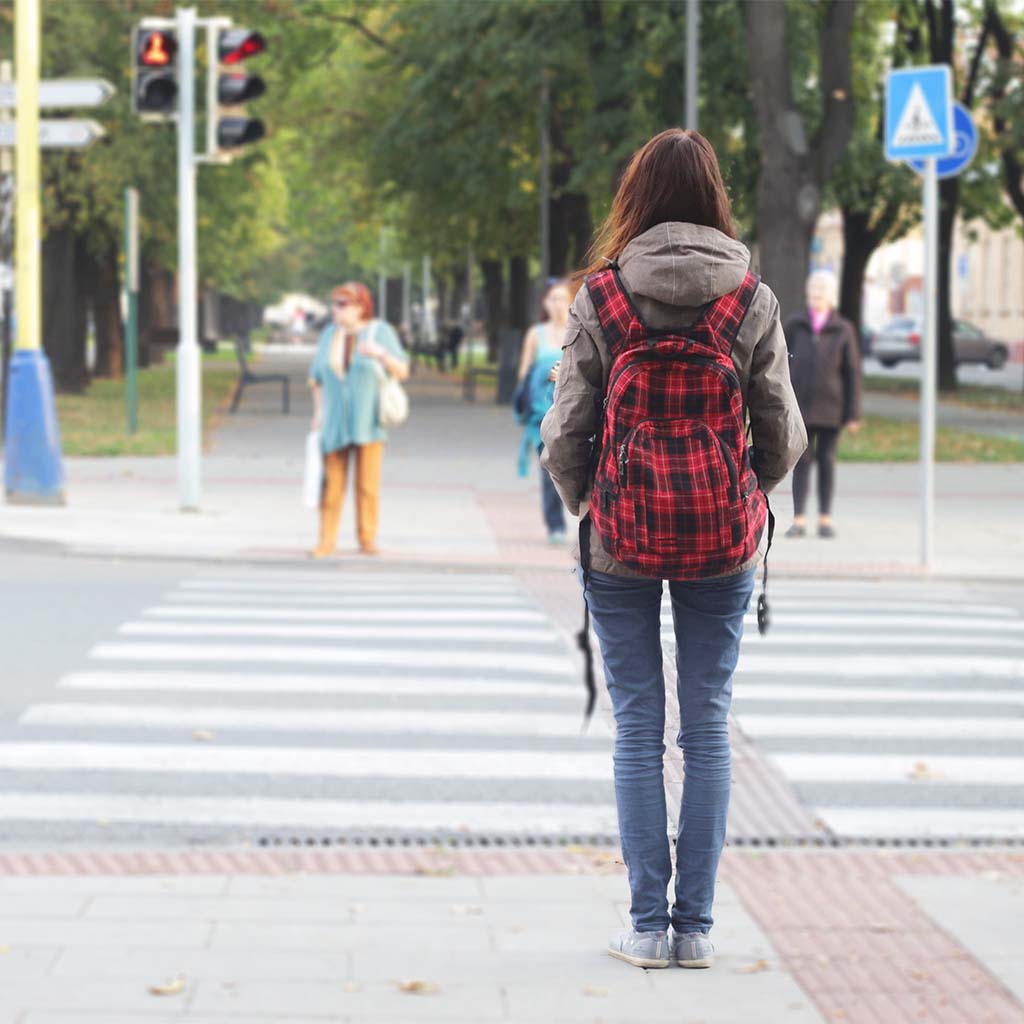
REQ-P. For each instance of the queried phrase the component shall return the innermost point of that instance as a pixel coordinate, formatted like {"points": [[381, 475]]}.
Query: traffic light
{"points": [[154, 74], [229, 89]]}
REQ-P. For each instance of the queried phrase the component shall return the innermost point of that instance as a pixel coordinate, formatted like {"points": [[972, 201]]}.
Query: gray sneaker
{"points": [[692, 949], [641, 949]]}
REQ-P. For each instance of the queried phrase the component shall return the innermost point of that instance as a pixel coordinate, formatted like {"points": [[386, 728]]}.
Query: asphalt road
{"points": [[1010, 377], [157, 702]]}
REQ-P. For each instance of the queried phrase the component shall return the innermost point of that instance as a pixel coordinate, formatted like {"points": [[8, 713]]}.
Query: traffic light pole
{"points": [[188, 362]]}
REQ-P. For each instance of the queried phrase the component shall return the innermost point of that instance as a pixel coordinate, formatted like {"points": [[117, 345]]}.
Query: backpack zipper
{"points": [[730, 462], [647, 356]]}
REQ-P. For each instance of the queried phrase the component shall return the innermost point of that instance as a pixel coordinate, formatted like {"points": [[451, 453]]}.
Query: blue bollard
{"points": [[33, 470]]}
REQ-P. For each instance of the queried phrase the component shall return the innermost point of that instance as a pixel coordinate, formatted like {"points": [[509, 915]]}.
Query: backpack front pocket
{"points": [[681, 481]]}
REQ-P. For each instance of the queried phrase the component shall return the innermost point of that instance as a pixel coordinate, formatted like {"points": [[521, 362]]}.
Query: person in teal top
{"points": [[353, 354], [542, 351]]}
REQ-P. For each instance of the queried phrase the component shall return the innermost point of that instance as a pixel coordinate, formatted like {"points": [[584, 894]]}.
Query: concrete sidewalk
{"points": [[471, 935], [452, 497]]}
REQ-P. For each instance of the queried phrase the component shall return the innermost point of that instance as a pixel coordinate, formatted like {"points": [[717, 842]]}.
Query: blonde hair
{"points": [[828, 282]]}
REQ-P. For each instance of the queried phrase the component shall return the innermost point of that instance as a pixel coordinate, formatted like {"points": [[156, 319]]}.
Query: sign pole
{"points": [[131, 292], [929, 360], [188, 368]]}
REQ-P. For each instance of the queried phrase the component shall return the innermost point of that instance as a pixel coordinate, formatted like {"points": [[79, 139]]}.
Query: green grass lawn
{"points": [[94, 423], [887, 440], [976, 396]]}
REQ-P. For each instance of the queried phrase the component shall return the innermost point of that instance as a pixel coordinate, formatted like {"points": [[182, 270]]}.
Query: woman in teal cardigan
{"points": [[345, 379]]}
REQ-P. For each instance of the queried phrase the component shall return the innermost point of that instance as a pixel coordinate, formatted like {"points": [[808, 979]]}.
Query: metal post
{"points": [[692, 58], [407, 295], [6, 246], [188, 362], [929, 361], [33, 471], [429, 328], [545, 185], [382, 281], [131, 294]]}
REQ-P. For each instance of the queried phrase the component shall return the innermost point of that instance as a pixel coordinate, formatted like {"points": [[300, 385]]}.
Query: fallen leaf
{"points": [[466, 909], [756, 967], [417, 987], [595, 990], [5, 949], [921, 773], [173, 987], [920, 974], [351, 986], [882, 926], [434, 872], [203, 735]]}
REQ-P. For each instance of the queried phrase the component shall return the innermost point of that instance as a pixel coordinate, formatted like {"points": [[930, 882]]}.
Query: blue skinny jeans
{"points": [[708, 620]]}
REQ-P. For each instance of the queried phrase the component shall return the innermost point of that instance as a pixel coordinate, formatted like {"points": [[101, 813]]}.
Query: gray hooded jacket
{"points": [[671, 271]]}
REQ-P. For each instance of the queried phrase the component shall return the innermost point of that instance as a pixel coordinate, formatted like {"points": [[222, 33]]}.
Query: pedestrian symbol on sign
{"points": [[917, 125]]}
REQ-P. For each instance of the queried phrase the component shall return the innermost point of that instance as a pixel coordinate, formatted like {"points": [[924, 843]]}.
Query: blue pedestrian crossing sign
{"points": [[919, 112], [966, 146]]}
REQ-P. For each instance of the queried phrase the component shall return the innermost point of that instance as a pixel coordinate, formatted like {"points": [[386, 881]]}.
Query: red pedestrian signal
{"points": [[154, 74], [157, 49]]}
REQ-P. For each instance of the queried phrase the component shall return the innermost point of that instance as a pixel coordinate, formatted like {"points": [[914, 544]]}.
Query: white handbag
{"points": [[313, 472], [393, 408]]}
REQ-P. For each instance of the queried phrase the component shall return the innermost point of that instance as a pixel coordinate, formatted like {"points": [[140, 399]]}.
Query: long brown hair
{"points": [[674, 176]]}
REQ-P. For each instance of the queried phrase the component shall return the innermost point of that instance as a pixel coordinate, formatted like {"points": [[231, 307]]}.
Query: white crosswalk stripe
{"points": [[895, 710], [357, 704]]}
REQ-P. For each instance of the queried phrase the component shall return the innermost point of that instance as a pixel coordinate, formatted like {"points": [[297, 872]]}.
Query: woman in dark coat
{"points": [[825, 370]]}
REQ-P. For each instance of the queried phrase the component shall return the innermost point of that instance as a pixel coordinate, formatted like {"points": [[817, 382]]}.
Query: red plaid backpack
{"points": [[675, 495]]}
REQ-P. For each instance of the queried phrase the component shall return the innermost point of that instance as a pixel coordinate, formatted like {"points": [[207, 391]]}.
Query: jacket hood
{"points": [[683, 264]]}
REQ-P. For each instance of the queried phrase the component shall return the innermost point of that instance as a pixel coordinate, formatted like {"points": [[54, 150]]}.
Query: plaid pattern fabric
{"points": [[675, 496]]}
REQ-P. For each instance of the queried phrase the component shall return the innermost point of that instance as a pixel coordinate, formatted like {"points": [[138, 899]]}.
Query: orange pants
{"points": [[367, 487]]}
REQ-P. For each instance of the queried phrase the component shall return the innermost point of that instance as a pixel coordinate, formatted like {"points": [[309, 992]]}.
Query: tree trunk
{"points": [[793, 168], [949, 199], [518, 293], [858, 245], [106, 310], [63, 319], [494, 303]]}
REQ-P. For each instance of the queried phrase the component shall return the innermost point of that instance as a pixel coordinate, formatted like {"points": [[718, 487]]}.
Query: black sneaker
{"points": [[826, 530], [797, 530]]}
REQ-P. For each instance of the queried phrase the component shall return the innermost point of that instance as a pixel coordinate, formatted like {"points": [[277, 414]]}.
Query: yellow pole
{"points": [[33, 473], [28, 304]]}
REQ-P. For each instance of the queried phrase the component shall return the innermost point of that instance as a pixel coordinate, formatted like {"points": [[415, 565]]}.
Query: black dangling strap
{"points": [[764, 615], [583, 637]]}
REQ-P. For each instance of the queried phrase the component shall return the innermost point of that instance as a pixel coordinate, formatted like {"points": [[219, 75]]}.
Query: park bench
{"points": [[246, 376]]}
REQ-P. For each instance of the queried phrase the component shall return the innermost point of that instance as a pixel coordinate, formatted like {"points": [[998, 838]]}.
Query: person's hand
{"points": [[553, 375], [372, 350], [316, 421], [853, 426]]}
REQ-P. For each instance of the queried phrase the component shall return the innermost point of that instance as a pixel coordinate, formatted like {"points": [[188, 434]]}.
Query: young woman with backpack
{"points": [[672, 348], [542, 348]]}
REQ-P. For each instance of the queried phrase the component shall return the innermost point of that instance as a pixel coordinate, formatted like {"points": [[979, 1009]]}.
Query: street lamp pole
{"points": [[545, 183], [692, 58]]}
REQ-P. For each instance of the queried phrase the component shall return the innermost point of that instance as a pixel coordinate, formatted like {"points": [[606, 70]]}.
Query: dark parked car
{"points": [[900, 341]]}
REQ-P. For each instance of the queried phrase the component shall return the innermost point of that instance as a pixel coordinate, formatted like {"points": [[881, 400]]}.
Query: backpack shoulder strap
{"points": [[726, 315], [611, 304]]}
